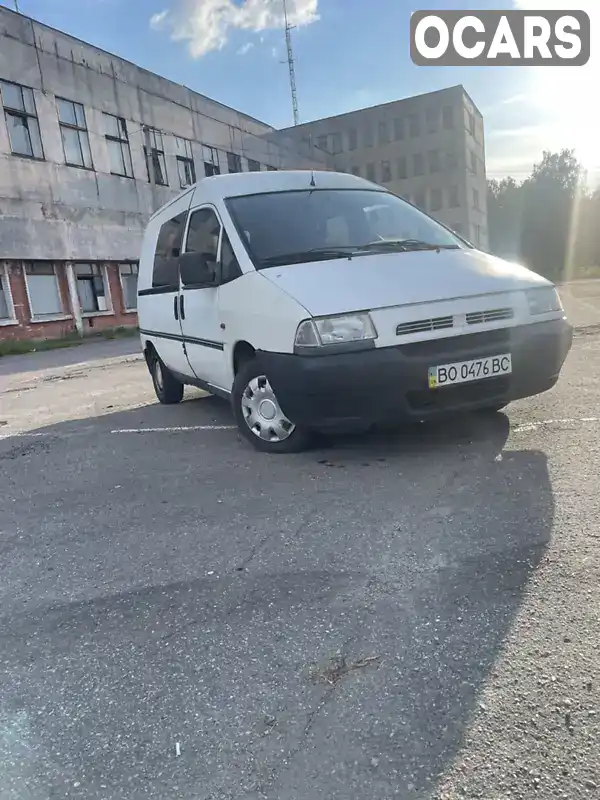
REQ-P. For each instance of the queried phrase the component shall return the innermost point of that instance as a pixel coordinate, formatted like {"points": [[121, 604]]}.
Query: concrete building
{"points": [[428, 149], [91, 144], [80, 130]]}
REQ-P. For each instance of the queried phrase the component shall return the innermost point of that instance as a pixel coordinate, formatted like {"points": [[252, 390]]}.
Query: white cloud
{"points": [[205, 24], [156, 20], [245, 48]]}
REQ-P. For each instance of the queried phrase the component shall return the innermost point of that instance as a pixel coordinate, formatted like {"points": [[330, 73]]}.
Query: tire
{"points": [[268, 434], [168, 389]]}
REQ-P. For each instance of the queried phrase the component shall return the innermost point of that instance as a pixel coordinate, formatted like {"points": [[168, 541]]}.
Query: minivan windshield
{"points": [[280, 228]]}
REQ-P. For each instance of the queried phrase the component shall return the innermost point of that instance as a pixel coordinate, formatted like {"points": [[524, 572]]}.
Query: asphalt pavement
{"points": [[409, 614]]}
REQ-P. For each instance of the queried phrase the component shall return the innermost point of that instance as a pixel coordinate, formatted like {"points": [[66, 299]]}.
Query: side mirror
{"points": [[196, 270]]}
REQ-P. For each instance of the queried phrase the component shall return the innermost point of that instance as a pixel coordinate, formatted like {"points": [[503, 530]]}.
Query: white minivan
{"points": [[318, 301]]}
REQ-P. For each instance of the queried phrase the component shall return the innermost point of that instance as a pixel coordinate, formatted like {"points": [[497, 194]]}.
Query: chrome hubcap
{"points": [[158, 375], [262, 412]]}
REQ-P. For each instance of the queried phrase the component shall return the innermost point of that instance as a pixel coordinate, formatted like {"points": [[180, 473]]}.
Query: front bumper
{"points": [[382, 385]]}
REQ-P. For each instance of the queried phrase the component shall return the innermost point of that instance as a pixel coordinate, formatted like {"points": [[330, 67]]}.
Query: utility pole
{"points": [[17, 6], [290, 61], [150, 165]]}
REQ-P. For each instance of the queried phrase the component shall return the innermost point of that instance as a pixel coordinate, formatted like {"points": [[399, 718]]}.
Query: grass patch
{"points": [[19, 347], [23, 346], [121, 332]]}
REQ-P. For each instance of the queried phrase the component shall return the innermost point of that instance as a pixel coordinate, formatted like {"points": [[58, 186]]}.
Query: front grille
{"points": [[459, 394], [491, 315], [425, 325], [451, 347]]}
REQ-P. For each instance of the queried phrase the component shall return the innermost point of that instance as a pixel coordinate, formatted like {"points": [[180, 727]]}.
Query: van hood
{"points": [[396, 279]]}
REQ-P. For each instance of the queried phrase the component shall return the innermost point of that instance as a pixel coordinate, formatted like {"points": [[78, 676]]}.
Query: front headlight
{"points": [[335, 330], [543, 300]]}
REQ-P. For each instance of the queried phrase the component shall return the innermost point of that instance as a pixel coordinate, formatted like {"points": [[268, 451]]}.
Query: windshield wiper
{"points": [[406, 245], [314, 254]]}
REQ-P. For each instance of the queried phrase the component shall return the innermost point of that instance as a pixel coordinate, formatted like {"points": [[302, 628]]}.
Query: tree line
{"points": [[550, 221]]}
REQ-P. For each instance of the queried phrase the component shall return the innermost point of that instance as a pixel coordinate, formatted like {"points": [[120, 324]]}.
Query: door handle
{"points": [[181, 307], [175, 311]]}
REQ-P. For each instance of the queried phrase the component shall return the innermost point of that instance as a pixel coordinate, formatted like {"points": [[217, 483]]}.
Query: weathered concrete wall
{"points": [[49, 210]]}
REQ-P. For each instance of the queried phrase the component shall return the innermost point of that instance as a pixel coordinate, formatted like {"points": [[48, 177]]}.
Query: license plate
{"points": [[465, 371]]}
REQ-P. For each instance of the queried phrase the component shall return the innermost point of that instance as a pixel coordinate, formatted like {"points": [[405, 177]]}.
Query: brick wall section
{"points": [[55, 329]]}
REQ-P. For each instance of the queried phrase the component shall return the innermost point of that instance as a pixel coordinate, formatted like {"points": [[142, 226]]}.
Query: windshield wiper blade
{"points": [[405, 245], [314, 254]]}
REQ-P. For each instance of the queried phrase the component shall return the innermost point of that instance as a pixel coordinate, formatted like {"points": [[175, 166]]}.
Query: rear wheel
{"points": [[168, 389], [259, 416]]}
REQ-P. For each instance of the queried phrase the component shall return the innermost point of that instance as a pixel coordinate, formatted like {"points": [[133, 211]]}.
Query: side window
{"points": [[203, 234], [168, 250], [230, 268]]}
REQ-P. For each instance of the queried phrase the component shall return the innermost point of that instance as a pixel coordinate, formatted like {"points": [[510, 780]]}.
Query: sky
{"points": [[348, 54]]}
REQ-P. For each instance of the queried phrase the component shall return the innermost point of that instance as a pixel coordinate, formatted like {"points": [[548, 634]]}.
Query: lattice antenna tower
{"points": [[290, 61]]}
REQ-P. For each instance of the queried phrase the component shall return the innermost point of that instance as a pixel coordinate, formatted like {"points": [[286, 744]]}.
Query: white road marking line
{"points": [[518, 428], [176, 429]]}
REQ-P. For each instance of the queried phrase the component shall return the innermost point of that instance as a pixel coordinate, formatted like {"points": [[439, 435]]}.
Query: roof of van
{"points": [[219, 187]]}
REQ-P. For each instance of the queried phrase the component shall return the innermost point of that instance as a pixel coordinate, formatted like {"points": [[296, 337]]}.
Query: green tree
{"points": [[549, 221]]}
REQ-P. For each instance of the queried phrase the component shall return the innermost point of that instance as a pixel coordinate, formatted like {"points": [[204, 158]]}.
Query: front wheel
{"points": [[260, 417]]}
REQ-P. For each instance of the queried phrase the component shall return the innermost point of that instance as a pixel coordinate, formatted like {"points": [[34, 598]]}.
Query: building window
{"points": [[91, 288], [355, 171], [384, 135], [436, 199], [398, 129], [21, 120], [129, 281], [473, 162], [386, 172], [414, 126], [322, 142], [234, 162], [74, 134], [451, 162], [186, 172], [211, 169], [185, 162], [454, 200], [401, 167], [477, 232], [431, 120], [253, 165], [352, 139], [448, 118], [7, 309], [336, 143], [43, 290], [156, 158], [368, 136], [476, 199], [371, 176], [433, 156], [418, 164], [470, 122], [117, 141], [420, 199]]}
